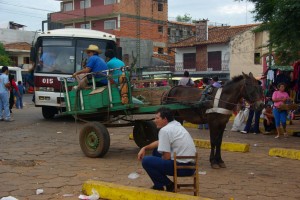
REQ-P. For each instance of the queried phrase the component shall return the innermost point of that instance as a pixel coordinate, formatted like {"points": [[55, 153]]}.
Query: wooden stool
{"points": [[187, 187]]}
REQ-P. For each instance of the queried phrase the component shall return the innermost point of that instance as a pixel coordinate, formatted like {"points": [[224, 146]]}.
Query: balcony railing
{"points": [[78, 14], [179, 66]]}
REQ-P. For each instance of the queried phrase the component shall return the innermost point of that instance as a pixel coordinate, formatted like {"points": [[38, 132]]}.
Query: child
{"points": [[269, 121], [19, 102]]}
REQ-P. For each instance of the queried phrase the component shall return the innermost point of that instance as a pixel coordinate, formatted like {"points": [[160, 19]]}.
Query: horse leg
{"points": [[218, 151], [213, 139]]}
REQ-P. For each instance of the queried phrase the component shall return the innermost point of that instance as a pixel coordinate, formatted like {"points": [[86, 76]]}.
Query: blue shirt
{"points": [[3, 82], [97, 64], [115, 63], [48, 60]]}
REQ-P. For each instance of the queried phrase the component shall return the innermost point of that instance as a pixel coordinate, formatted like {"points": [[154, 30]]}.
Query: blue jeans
{"points": [[256, 121], [158, 169], [19, 102], [4, 105], [280, 116]]}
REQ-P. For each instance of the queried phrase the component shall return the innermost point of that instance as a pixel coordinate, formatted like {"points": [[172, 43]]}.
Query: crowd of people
{"points": [[9, 91]]}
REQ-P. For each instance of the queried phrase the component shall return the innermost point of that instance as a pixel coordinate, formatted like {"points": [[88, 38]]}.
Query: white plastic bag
{"points": [[240, 120], [93, 196], [8, 198]]}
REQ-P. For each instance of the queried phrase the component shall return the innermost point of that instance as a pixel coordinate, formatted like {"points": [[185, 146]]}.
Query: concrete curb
{"points": [[120, 192], [285, 153], [226, 146]]}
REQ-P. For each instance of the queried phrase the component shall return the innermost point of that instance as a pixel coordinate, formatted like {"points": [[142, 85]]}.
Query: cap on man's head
{"points": [[94, 48]]}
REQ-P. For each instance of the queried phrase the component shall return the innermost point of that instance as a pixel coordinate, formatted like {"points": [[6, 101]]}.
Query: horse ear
{"points": [[251, 75], [244, 75]]}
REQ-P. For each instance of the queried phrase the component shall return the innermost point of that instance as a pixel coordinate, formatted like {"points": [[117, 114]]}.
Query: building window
{"points": [[85, 26], [68, 6], [26, 60], [85, 4], [107, 2], [257, 60], [160, 7], [189, 60], [160, 29], [160, 50], [214, 60], [110, 25]]}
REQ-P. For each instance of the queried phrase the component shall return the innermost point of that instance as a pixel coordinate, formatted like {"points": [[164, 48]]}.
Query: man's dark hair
{"points": [[166, 113], [186, 74], [19, 82], [110, 53], [4, 68], [205, 80], [215, 78]]}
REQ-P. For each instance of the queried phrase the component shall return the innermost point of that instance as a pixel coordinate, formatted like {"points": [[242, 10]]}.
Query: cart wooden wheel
{"points": [[94, 140], [144, 132]]}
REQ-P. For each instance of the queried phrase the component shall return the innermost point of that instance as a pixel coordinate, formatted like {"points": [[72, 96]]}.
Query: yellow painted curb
{"points": [[190, 125], [120, 192], [285, 153], [226, 146]]}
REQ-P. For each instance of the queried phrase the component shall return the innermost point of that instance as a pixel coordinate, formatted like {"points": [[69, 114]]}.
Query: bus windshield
{"points": [[64, 56]]}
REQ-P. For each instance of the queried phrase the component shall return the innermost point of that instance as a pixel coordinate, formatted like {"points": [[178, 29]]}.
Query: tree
{"points": [[4, 58], [184, 18], [281, 18]]}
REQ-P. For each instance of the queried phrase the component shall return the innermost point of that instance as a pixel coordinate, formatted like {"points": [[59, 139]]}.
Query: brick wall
{"points": [[201, 58]]}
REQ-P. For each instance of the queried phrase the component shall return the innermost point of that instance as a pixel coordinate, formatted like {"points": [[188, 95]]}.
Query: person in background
{"points": [[115, 64], [205, 83], [186, 80], [19, 102], [94, 64], [172, 137], [47, 61], [4, 92], [280, 97], [14, 91], [215, 82], [269, 121], [256, 114]]}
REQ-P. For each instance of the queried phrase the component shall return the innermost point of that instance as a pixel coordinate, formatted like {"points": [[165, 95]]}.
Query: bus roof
{"points": [[78, 32]]}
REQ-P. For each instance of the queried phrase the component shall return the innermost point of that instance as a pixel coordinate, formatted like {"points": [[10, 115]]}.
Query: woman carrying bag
{"points": [[280, 97]]}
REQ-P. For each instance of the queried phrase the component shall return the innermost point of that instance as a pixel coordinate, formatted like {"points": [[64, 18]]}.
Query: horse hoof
{"points": [[215, 166], [222, 165]]}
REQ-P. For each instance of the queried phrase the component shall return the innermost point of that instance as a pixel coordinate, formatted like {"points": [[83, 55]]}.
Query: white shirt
{"points": [[185, 80], [175, 138]]}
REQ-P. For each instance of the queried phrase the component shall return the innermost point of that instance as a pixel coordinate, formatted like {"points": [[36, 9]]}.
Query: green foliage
{"points": [[184, 18], [282, 19], [4, 58]]}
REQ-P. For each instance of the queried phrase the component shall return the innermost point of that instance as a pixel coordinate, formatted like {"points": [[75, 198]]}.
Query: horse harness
{"points": [[215, 108]]}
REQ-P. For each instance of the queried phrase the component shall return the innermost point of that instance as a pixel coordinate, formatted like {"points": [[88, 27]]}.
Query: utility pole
{"points": [[84, 14], [138, 35]]}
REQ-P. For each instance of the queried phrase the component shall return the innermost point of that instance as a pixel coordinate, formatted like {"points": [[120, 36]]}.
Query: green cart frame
{"points": [[105, 104]]}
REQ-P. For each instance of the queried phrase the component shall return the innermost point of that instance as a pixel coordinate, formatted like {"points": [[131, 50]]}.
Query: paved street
{"points": [[40, 154]]}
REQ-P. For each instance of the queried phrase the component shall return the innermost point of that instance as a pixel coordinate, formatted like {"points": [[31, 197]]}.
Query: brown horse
{"points": [[217, 108]]}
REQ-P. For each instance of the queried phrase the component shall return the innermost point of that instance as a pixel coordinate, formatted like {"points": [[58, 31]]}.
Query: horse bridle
{"points": [[245, 93]]}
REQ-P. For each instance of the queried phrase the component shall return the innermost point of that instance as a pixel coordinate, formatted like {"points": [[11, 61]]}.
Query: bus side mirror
{"points": [[32, 54], [119, 53]]}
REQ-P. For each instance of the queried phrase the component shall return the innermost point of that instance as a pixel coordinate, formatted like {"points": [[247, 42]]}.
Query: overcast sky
{"points": [[31, 13]]}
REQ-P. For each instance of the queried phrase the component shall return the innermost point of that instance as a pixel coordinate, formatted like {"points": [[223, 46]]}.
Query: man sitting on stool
{"points": [[172, 137]]}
